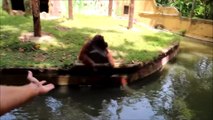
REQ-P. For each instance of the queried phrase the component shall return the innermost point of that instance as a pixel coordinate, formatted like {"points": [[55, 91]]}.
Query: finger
{"points": [[30, 74], [30, 77], [47, 88], [42, 82]]}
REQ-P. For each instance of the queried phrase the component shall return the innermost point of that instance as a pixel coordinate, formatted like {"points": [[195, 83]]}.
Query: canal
{"points": [[182, 91]]}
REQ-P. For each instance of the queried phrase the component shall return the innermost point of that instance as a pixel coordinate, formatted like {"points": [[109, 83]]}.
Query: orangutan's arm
{"points": [[110, 58], [83, 56]]}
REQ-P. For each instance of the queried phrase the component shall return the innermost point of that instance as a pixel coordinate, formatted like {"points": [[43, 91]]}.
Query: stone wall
{"points": [[147, 12]]}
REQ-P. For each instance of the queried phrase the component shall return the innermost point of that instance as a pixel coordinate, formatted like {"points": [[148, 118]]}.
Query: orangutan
{"points": [[96, 52]]}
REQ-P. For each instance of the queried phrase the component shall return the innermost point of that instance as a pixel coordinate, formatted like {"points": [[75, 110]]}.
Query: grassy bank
{"points": [[68, 36]]}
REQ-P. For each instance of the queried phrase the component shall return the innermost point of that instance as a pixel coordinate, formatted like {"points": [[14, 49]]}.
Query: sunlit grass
{"points": [[137, 44]]}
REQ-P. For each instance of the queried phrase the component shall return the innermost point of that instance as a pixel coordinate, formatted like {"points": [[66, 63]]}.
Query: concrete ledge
{"points": [[158, 14], [205, 39]]}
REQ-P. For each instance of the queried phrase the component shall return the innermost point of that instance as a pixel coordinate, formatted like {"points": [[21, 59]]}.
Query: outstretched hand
{"points": [[42, 89]]}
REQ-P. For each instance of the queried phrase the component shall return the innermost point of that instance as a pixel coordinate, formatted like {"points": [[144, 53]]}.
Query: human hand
{"points": [[42, 89]]}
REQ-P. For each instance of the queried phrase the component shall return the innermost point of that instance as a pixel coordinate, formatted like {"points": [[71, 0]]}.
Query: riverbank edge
{"points": [[144, 70]]}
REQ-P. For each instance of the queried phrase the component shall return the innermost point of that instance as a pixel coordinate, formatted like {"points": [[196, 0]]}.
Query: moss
{"points": [[181, 110]]}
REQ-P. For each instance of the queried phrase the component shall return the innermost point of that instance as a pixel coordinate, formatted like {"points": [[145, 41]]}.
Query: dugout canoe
{"points": [[80, 74]]}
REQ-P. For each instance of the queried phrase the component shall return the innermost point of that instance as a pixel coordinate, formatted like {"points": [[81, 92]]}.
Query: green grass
{"points": [[137, 44]]}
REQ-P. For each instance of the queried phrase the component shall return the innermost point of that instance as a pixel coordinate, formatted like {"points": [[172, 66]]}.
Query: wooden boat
{"points": [[80, 74]]}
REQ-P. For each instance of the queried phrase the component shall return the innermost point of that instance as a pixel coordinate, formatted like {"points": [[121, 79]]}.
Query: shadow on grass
{"points": [[132, 55], [69, 43], [21, 22], [160, 39], [73, 40], [66, 46], [153, 40]]}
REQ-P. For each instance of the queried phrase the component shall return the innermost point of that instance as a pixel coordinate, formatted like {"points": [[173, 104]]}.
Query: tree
{"points": [[36, 17], [191, 8], [110, 7], [70, 9], [131, 13], [7, 6]]}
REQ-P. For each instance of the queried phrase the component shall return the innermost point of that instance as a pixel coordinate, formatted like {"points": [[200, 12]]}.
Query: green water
{"points": [[182, 91]]}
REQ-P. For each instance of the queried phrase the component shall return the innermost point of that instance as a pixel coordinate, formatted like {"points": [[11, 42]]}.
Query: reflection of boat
{"points": [[80, 74]]}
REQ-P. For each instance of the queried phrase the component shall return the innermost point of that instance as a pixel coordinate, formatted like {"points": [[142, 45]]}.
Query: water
{"points": [[182, 91]]}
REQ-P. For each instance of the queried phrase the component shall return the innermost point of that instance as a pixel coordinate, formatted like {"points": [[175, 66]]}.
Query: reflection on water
{"points": [[182, 91], [54, 105]]}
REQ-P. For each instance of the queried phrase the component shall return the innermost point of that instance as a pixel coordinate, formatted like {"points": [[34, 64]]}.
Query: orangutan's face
{"points": [[99, 42]]}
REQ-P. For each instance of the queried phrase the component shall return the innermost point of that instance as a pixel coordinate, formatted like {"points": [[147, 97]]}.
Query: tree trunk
{"points": [[131, 13], [205, 10], [192, 10], [7, 6], [110, 8], [70, 9], [36, 17]]}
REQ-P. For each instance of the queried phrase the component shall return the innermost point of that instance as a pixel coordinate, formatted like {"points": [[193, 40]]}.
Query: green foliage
{"points": [[162, 2], [202, 8]]}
